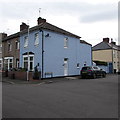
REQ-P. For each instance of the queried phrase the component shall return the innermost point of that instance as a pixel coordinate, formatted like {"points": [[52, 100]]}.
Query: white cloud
{"points": [[82, 17]]}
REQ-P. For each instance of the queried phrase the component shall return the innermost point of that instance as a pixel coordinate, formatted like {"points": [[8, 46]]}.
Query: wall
{"points": [[115, 60], [54, 53], [36, 49], [85, 55], [13, 53], [102, 55]]}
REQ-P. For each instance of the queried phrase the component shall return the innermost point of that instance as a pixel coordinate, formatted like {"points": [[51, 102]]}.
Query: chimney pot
{"points": [[106, 40], [3, 35], [113, 43], [23, 26], [41, 20]]}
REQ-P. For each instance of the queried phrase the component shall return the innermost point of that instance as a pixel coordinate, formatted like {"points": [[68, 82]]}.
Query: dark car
{"points": [[92, 71]]}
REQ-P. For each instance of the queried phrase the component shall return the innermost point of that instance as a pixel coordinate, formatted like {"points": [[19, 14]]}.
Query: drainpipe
{"points": [[91, 56], [42, 52]]}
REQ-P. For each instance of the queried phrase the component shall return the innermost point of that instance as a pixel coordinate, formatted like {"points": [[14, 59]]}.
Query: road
{"points": [[73, 98]]}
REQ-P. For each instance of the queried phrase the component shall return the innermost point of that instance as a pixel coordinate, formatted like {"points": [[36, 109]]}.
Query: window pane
{"points": [[26, 65], [65, 42], [10, 60], [31, 65], [25, 58], [31, 58], [26, 41], [10, 65], [36, 39]]}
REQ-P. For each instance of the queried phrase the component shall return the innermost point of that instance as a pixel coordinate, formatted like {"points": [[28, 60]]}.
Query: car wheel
{"points": [[94, 76], [82, 77], [104, 75]]}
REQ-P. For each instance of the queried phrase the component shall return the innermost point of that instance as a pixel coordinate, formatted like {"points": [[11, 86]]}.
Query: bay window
{"points": [[28, 62]]}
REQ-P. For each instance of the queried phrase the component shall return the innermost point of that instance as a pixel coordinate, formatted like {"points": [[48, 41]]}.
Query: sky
{"points": [[92, 20]]}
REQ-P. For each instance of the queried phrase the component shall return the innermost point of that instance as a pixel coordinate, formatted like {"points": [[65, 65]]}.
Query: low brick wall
{"points": [[20, 75]]}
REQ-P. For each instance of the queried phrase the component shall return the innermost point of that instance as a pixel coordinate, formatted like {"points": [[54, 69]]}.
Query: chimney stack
{"points": [[23, 26], [106, 40], [41, 20], [114, 43], [2, 36]]}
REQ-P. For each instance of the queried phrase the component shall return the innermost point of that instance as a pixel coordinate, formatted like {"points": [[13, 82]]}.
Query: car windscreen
{"points": [[86, 68]]}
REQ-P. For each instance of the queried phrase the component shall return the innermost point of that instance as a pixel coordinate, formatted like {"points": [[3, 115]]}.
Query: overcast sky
{"points": [[90, 19]]}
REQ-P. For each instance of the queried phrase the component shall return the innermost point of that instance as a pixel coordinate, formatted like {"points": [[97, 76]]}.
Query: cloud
{"points": [[100, 16], [84, 12], [17, 10]]}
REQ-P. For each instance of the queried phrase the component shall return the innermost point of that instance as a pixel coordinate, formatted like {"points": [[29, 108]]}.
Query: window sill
{"points": [[36, 44]]}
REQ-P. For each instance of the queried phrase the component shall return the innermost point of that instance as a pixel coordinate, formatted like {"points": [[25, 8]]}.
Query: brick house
{"points": [[10, 51], [2, 36], [109, 52]]}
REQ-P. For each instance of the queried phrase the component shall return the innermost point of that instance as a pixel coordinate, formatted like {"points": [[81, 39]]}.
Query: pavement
{"points": [[47, 81]]}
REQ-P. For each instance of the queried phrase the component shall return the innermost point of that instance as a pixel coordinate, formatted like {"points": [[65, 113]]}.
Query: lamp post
{"points": [[42, 52], [28, 57]]}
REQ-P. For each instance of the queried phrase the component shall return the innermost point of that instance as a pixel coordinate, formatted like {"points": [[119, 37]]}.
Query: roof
{"points": [[12, 36], [50, 27], [104, 46], [84, 42]]}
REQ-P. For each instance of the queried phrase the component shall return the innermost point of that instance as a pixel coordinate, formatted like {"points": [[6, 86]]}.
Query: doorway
{"points": [[65, 66]]}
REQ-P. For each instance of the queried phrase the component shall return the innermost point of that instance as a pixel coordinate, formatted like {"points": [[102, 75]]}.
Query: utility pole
{"points": [[42, 52], [28, 57], [39, 11]]}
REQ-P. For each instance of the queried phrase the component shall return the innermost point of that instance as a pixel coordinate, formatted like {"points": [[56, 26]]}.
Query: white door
{"points": [[65, 66]]}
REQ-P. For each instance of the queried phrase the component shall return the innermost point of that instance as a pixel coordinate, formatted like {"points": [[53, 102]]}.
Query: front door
{"points": [[65, 66]]}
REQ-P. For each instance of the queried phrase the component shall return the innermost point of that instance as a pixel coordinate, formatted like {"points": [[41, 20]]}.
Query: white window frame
{"points": [[66, 42], [17, 63], [26, 41], [36, 37], [17, 45], [78, 65], [28, 56], [9, 46], [1, 48], [9, 58], [1, 63]]}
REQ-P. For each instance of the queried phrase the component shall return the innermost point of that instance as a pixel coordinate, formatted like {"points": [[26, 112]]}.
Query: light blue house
{"points": [[53, 50]]}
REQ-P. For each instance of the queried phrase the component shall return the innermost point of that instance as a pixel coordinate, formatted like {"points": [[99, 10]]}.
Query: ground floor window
{"points": [[17, 63], [0, 64], [8, 63], [28, 62]]}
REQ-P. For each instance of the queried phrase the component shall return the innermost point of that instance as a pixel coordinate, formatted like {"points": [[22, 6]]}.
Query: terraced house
{"points": [[54, 51], [10, 51], [2, 36], [108, 52]]}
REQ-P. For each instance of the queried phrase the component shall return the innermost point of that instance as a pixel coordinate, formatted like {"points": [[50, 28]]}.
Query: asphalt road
{"points": [[73, 98]]}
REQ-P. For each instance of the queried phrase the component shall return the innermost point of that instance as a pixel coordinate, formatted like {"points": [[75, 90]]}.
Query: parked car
{"points": [[92, 71]]}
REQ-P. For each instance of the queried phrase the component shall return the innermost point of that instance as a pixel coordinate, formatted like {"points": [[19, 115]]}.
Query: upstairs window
{"points": [[66, 42], [36, 39], [17, 43], [0, 48], [9, 46], [25, 41]]}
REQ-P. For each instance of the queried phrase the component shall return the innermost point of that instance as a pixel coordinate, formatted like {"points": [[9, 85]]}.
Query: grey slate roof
{"points": [[84, 42], [104, 46], [51, 27], [12, 36], [46, 26]]}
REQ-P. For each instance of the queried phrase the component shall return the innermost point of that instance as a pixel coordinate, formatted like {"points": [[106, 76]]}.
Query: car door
{"points": [[96, 70]]}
